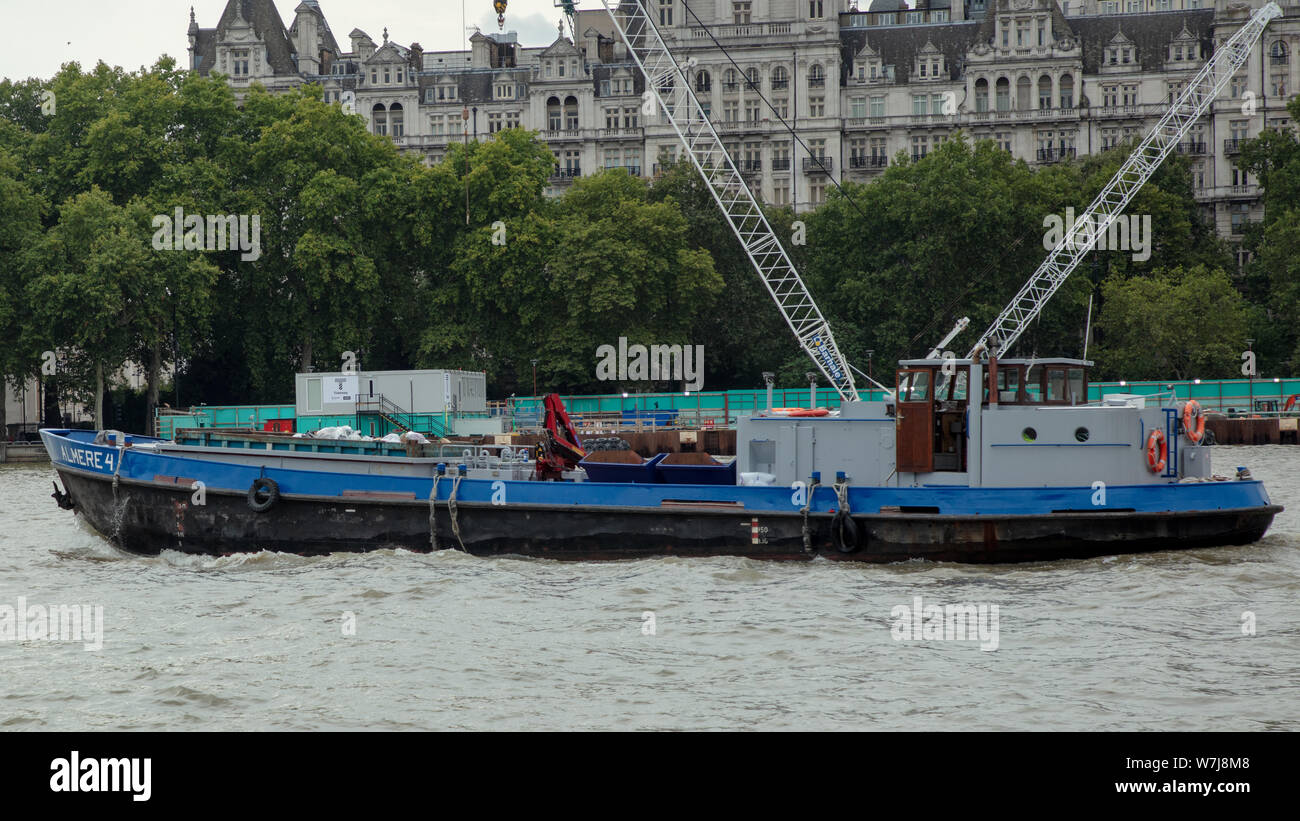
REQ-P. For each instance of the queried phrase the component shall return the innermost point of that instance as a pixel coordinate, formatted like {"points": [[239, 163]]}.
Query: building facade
{"points": [[860, 84]]}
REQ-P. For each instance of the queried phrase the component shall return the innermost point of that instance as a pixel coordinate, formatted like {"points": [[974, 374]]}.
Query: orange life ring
{"points": [[1156, 444], [1192, 411], [1290, 402]]}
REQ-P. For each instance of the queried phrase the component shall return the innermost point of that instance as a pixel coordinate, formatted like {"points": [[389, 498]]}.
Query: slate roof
{"points": [[1151, 35], [899, 45], [266, 24]]}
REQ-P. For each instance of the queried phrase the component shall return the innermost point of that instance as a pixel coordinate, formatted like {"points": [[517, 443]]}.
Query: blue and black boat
{"points": [[1026, 474]]}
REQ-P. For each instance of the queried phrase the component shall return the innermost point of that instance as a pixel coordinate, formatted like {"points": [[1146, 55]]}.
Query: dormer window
{"points": [[399, 76]]}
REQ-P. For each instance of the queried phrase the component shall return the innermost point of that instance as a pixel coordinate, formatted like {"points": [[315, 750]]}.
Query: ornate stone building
{"points": [[860, 84]]}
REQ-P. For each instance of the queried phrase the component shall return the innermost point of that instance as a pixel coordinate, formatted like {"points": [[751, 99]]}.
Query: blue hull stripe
{"points": [[75, 450]]}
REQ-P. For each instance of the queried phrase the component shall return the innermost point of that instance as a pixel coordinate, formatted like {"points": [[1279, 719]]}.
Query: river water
{"points": [[1185, 640]]}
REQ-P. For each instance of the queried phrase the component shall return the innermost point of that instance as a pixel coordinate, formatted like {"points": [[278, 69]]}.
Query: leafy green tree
{"points": [[1270, 278], [1154, 326], [741, 328], [20, 226]]}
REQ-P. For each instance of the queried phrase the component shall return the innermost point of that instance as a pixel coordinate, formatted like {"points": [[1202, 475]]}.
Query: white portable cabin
{"points": [[424, 391]]}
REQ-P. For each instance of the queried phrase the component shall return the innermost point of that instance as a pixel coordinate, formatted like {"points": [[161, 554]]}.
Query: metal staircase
{"points": [[397, 417]]}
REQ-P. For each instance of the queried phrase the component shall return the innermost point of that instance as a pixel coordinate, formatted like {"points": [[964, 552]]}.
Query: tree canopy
{"points": [[468, 263]]}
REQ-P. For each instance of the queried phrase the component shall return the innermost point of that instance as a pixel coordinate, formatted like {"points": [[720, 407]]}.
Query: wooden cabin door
{"points": [[915, 420]]}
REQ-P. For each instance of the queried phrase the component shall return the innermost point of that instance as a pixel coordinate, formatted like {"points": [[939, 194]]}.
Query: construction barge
{"points": [[1017, 477]]}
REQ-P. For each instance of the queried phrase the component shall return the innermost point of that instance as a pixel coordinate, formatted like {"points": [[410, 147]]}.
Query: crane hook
{"points": [[500, 6]]}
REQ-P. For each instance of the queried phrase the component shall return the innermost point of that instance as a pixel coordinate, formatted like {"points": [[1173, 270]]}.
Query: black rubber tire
{"points": [[1209, 437], [263, 485], [845, 534]]}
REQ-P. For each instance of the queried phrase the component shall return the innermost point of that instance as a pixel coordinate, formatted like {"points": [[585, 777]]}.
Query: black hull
{"points": [[147, 518]]}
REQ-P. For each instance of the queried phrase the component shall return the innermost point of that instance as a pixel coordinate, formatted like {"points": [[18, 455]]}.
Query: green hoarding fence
{"points": [[718, 408]]}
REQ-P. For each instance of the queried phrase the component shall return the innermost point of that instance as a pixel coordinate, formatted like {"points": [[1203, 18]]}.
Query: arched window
{"points": [[703, 81], [1044, 92], [816, 76], [981, 95], [1023, 89], [554, 117], [395, 120], [379, 118], [571, 113], [1004, 94], [755, 79], [1277, 54], [780, 79], [730, 80], [1067, 91]]}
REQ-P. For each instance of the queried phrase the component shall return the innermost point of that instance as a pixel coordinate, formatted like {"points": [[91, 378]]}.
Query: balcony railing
{"points": [[780, 85], [1232, 146], [1055, 154], [730, 88], [873, 161], [781, 164], [1277, 59], [818, 165], [566, 173], [750, 166], [816, 82], [1193, 147]]}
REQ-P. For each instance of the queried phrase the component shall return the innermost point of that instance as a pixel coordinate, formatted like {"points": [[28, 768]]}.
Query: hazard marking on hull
{"points": [[757, 532]]}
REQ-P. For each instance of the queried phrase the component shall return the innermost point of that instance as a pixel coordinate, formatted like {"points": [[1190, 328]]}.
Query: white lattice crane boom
{"points": [[668, 81], [1189, 106]]}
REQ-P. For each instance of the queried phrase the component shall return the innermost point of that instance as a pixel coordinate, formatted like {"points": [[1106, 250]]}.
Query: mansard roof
{"points": [[267, 26], [898, 46], [1151, 34]]}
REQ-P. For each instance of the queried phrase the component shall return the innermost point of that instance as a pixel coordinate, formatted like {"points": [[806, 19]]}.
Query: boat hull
{"points": [[150, 516]]}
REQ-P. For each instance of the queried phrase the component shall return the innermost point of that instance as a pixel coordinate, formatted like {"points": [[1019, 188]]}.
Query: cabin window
{"points": [[956, 385], [1029, 434], [1056, 385], [917, 387], [313, 396], [1081, 434], [1008, 384], [1078, 390]]}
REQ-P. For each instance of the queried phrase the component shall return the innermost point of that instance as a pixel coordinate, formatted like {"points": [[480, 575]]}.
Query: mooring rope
{"points": [[433, 514], [807, 535], [451, 506]]}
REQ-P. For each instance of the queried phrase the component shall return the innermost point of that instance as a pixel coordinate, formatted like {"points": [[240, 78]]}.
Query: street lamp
{"points": [[870, 353], [811, 376], [534, 361]]}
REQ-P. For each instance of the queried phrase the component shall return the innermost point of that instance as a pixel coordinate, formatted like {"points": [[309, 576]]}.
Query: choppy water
{"points": [[452, 641]]}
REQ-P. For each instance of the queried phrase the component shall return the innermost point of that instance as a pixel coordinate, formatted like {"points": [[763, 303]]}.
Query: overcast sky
{"points": [[131, 33]]}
